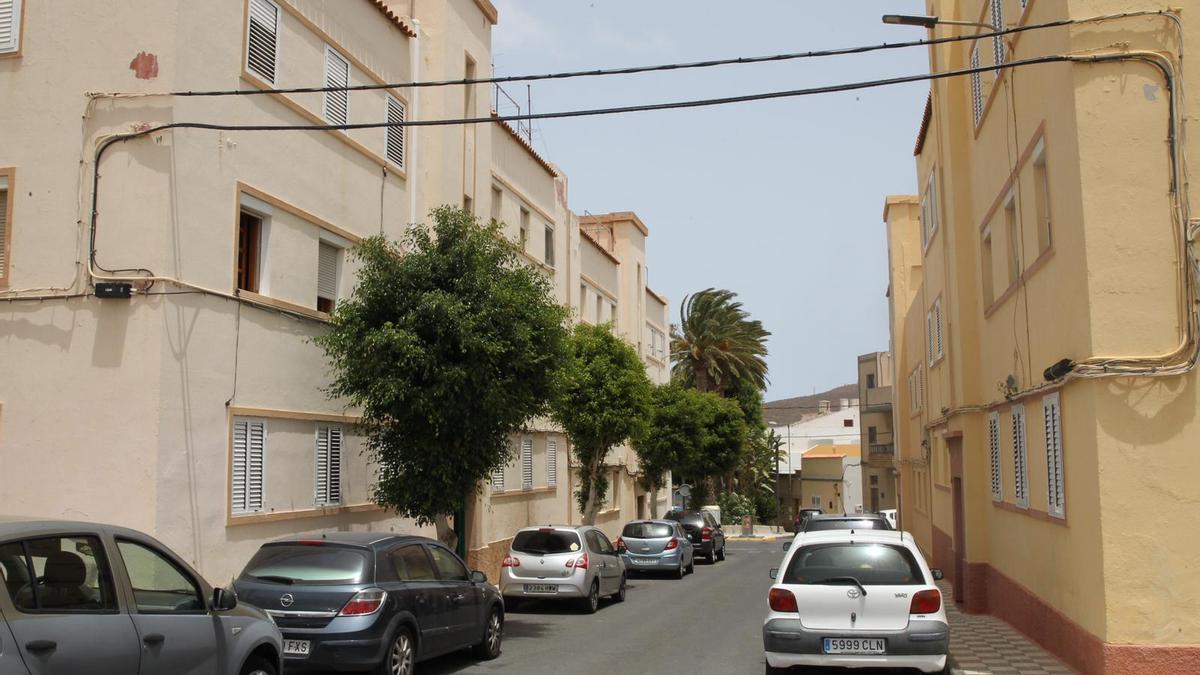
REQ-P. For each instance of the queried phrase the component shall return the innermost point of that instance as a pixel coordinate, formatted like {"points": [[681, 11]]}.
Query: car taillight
{"points": [[510, 561], [782, 600], [706, 534], [925, 602], [580, 563], [673, 544], [364, 602], [621, 544]]}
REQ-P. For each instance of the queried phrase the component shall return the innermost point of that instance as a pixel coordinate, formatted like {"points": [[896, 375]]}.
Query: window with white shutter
{"points": [[1055, 490], [3, 228], [249, 458], [1020, 458], [337, 74], [929, 213], [498, 479], [976, 87], [929, 336], [328, 465], [526, 463], [994, 456], [395, 134], [998, 25], [10, 26], [262, 39], [937, 325], [328, 260], [552, 462]]}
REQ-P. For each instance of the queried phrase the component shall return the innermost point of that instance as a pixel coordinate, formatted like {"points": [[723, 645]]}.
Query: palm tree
{"points": [[716, 343]]}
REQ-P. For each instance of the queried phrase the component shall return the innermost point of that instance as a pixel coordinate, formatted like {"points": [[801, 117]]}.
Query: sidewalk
{"points": [[981, 644], [761, 533]]}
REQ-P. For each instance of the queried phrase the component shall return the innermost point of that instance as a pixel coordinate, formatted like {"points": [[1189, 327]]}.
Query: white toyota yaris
{"points": [[862, 599]]}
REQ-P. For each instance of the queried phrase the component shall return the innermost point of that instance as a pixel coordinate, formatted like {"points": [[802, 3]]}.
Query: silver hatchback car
{"points": [[579, 563], [657, 546]]}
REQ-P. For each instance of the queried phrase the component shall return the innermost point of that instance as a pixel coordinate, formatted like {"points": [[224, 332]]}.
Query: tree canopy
{"points": [[448, 344], [717, 344]]}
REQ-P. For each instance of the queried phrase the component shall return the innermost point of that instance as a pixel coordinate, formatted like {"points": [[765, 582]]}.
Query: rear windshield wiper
{"points": [[276, 578], [842, 580]]}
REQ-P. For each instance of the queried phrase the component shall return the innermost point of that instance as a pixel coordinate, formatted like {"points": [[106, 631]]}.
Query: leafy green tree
{"points": [[603, 400], [675, 428], [448, 344], [717, 344], [722, 436]]}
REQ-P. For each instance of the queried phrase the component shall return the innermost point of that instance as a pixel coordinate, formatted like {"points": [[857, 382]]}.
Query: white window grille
{"points": [[396, 113], [10, 26], [1055, 489], [976, 87], [337, 74], [1020, 458], [527, 464], [552, 462], [249, 455], [498, 479], [998, 25], [262, 41], [329, 465], [994, 456]]}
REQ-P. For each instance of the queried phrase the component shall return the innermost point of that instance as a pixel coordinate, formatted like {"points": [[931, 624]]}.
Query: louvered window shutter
{"points": [[322, 469], [929, 336], [329, 465], [3, 225], [10, 25], [552, 463], [498, 479], [337, 74], [976, 87], [263, 40], [395, 135], [238, 489], [1055, 490], [994, 456], [998, 25], [1020, 458], [327, 264], [249, 449], [335, 465], [937, 317], [527, 463]]}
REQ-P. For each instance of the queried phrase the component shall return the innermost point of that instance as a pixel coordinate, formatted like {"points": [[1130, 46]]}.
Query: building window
{"points": [[249, 456], [600, 303], [929, 211], [523, 235], [497, 204], [872, 435], [916, 390], [848, 423], [1041, 193], [328, 264], [1020, 458], [498, 479], [552, 462], [468, 204], [337, 74], [816, 501], [262, 41], [976, 86], [985, 267], [1013, 235], [874, 480], [933, 325], [870, 380], [583, 296], [396, 114], [526, 463], [549, 243], [10, 26], [994, 456], [1055, 489], [329, 465], [469, 90], [998, 25], [250, 228], [6, 206]]}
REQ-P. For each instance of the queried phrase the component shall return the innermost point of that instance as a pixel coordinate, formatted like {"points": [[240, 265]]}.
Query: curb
{"points": [[765, 538]]}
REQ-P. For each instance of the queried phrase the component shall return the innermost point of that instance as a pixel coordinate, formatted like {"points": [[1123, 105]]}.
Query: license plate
{"points": [[296, 647], [541, 588], [640, 561], [855, 646]]}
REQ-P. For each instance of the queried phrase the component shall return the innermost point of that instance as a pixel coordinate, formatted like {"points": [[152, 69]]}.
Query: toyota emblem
{"points": [[852, 594], [286, 600]]}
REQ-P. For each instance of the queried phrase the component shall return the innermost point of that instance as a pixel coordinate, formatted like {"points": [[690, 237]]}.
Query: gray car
{"points": [[89, 598], [557, 562], [656, 546]]}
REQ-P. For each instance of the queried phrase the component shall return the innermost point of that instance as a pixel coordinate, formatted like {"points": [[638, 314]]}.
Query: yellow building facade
{"points": [[1043, 330]]}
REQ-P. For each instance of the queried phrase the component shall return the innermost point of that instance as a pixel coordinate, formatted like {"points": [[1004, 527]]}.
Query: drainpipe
{"points": [[414, 58]]}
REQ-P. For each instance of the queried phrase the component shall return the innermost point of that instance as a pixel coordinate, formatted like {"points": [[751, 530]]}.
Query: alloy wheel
{"points": [[594, 597], [401, 657], [495, 631]]}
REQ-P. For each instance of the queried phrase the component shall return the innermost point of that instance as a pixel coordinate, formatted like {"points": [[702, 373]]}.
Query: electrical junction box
{"points": [[114, 289]]}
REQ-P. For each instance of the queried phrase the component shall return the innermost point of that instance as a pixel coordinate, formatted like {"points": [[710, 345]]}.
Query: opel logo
{"points": [[286, 599], [852, 594]]}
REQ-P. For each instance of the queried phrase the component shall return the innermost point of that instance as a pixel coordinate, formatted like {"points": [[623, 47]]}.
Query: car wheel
{"points": [[679, 571], [592, 602], [691, 568], [620, 596], [401, 656], [259, 666], [493, 633], [721, 554], [711, 557]]}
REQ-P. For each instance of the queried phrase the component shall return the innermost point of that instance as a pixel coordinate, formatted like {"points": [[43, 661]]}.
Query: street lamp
{"points": [[930, 21]]}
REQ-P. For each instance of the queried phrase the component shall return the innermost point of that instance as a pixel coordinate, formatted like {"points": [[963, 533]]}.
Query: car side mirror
{"points": [[478, 577], [787, 545], [773, 573], [937, 574], [223, 599]]}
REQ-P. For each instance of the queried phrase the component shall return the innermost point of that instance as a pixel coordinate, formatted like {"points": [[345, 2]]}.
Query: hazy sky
{"points": [[780, 201]]}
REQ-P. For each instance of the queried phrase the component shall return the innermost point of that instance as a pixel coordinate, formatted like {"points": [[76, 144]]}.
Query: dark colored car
{"points": [[703, 531], [862, 521], [363, 600], [802, 517]]}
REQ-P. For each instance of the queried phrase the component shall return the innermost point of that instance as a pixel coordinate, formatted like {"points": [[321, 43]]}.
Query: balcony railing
{"points": [[887, 449]]}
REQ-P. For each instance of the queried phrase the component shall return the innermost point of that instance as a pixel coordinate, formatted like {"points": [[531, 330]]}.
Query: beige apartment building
{"points": [[194, 409], [1042, 299]]}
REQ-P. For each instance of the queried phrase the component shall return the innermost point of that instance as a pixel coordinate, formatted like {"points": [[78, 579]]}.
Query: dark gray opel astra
{"points": [[353, 601]]}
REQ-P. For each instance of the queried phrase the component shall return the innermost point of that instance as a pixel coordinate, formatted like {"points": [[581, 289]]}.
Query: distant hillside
{"points": [[787, 410]]}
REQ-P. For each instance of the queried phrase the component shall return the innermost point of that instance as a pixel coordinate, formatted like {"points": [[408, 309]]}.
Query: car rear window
{"points": [[647, 530], [301, 563], [693, 519], [817, 524], [869, 564], [545, 542]]}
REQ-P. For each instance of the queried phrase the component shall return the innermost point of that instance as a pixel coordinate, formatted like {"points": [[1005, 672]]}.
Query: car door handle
{"points": [[154, 639], [456, 597], [36, 646]]}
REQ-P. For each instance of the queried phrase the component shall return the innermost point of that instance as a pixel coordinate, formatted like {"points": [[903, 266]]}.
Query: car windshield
{"points": [[866, 564], [686, 518], [647, 530], [301, 563], [817, 524], [546, 542]]}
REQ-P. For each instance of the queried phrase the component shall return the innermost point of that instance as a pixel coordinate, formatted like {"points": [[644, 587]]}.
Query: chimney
{"points": [[844, 404], [822, 407]]}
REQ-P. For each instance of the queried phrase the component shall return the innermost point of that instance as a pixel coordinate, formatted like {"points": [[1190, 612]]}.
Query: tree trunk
{"points": [[592, 506], [445, 532], [654, 501]]}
